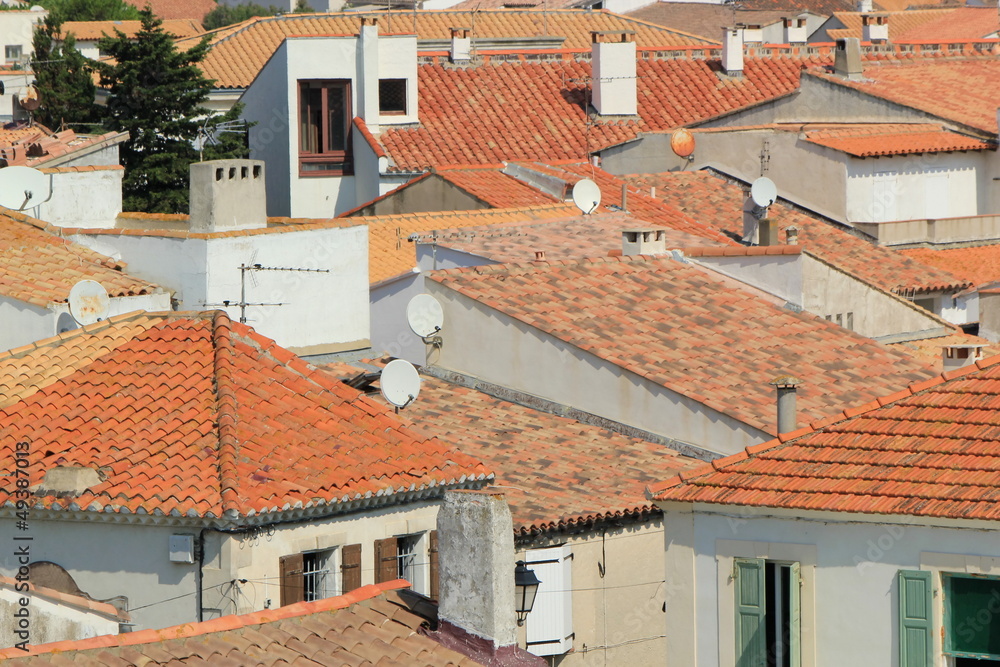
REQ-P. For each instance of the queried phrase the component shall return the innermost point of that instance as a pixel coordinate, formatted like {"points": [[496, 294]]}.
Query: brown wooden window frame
{"points": [[324, 157]]}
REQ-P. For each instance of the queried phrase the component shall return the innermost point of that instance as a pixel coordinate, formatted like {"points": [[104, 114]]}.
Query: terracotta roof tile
{"points": [[346, 630], [195, 414], [93, 30], [928, 350], [40, 268], [980, 265], [35, 145], [864, 140], [697, 347], [718, 202], [239, 52], [961, 24], [706, 19], [932, 452], [547, 464], [488, 184], [900, 22], [177, 9]]}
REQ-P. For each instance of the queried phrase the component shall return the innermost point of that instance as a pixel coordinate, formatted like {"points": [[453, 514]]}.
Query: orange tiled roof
{"points": [[545, 463], [370, 625], [869, 140], [820, 7], [40, 268], [979, 265], [928, 350], [961, 90], [177, 9], [93, 30], [35, 145], [705, 19], [192, 414], [390, 254], [929, 450], [963, 23], [900, 22], [718, 202], [698, 346], [238, 53], [494, 188]]}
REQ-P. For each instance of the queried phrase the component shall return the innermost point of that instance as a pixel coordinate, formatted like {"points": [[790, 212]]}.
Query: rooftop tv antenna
{"points": [[207, 135], [250, 268], [21, 187], [425, 317], [89, 302], [587, 196], [399, 383]]}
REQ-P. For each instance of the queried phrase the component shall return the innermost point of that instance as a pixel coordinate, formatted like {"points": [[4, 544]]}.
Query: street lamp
{"points": [[525, 589]]}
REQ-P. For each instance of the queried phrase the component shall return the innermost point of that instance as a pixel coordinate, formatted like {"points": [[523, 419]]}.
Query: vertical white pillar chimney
{"points": [[613, 73], [847, 59], [227, 195], [461, 45], [796, 31], [875, 27], [863, 6], [732, 51], [367, 54]]}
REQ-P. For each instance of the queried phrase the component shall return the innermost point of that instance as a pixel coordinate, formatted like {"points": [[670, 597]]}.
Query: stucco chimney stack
{"points": [[863, 6], [875, 28], [476, 563], [367, 57], [796, 31], [613, 73], [787, 387], [954, 357], [791, 235], [847, 60], [461, 45], [227, 195], [753, 34], [732, 51], [649, 241]]}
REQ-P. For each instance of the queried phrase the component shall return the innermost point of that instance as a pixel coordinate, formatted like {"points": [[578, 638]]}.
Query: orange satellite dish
{"points": [[30, 100], [682, 142]]}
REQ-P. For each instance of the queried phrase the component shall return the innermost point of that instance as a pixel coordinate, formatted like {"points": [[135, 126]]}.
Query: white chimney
{"points": [[613, 73], [847, 59], [461, 45], [959, 356], [367, 54], [753, 34], [650, 241], [796, 31], [227, 195], [875, 28], [732, 51], [863, 6]]}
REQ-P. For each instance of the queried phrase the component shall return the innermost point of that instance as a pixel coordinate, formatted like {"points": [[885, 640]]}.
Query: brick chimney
{"points": [[476, 563], [227, 195], [367, 55], [732, 51], [796, 31], [875, 28], [461, 45], [613, 73], [847, 59], [648, 241]]}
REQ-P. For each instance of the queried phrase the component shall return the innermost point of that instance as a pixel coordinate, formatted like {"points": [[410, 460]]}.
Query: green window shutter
{"points": [[794, 614], [915, 619], [751, 635]]}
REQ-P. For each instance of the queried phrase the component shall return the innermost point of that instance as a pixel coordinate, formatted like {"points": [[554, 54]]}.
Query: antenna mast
{"points": [[243, 303]]}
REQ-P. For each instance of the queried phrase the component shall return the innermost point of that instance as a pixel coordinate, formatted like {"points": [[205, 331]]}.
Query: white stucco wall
{"points": [[390, 331], [49, 620], [780, 275], [267, 102], [91, 199], [320, 309], [494, 347], [17, 29], [849, 566]]}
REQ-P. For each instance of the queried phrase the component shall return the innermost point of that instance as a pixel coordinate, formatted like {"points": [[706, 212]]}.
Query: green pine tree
{"points": [[89, 10], [64, 80], [156, 94]]}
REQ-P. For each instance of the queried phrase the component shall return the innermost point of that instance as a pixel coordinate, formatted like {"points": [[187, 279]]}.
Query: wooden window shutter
{"points": [[292, 579], [751, 634], [915, 622], [386, 560], [350, 567], [432, 552]]}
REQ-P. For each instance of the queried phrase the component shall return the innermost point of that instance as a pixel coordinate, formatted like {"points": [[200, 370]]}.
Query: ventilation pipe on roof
{"points": [[796, 31], [367, 55], [875, 27], [787, 387], [461, 45], [847, 60], [613, 73], [732, 51]]}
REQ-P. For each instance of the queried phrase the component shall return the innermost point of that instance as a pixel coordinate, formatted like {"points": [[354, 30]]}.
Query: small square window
{"points": [[12, 52], [319, 578], [392, 96]]}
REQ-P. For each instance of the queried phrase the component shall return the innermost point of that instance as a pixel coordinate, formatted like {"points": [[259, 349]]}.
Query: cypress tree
{"points": [[64, 80]]}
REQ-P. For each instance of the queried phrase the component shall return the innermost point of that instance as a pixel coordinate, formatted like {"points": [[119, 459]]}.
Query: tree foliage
{"points": [[64, 80], [90, 10], [224, 15], [156, 94]]}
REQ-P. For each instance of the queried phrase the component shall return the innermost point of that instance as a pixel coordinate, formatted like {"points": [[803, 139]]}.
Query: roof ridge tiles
{"points": [[228, 414]]}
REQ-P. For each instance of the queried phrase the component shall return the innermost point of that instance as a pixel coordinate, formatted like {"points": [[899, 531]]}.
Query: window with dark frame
{"points": [[12, 52], [972, 619], [392, 97], [324, 128]]}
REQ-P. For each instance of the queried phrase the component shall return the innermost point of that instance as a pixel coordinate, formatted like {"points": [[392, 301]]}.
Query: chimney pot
{"points": [[539, 255], [461, 45], [847, 60], [792, 235], [647, 241], [875, 27], [786, 386], [613, 73]]}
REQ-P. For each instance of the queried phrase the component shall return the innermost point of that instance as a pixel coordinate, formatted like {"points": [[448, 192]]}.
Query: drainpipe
{"points": [[786, 386]]}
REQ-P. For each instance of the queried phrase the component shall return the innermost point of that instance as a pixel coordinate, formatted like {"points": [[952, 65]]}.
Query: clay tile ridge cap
{"points": [[188, 630], [656, 491]]}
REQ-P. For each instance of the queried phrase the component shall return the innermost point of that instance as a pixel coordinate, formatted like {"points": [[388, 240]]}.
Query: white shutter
{"points": [[936, 194], [549, 626], [885, 192]]}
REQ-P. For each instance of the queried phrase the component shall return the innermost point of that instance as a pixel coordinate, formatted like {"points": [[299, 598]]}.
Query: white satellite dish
{"points": [[89, 302], [399, 383], [587, 196], [424, 315], [21, 187], [763, 192]]}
